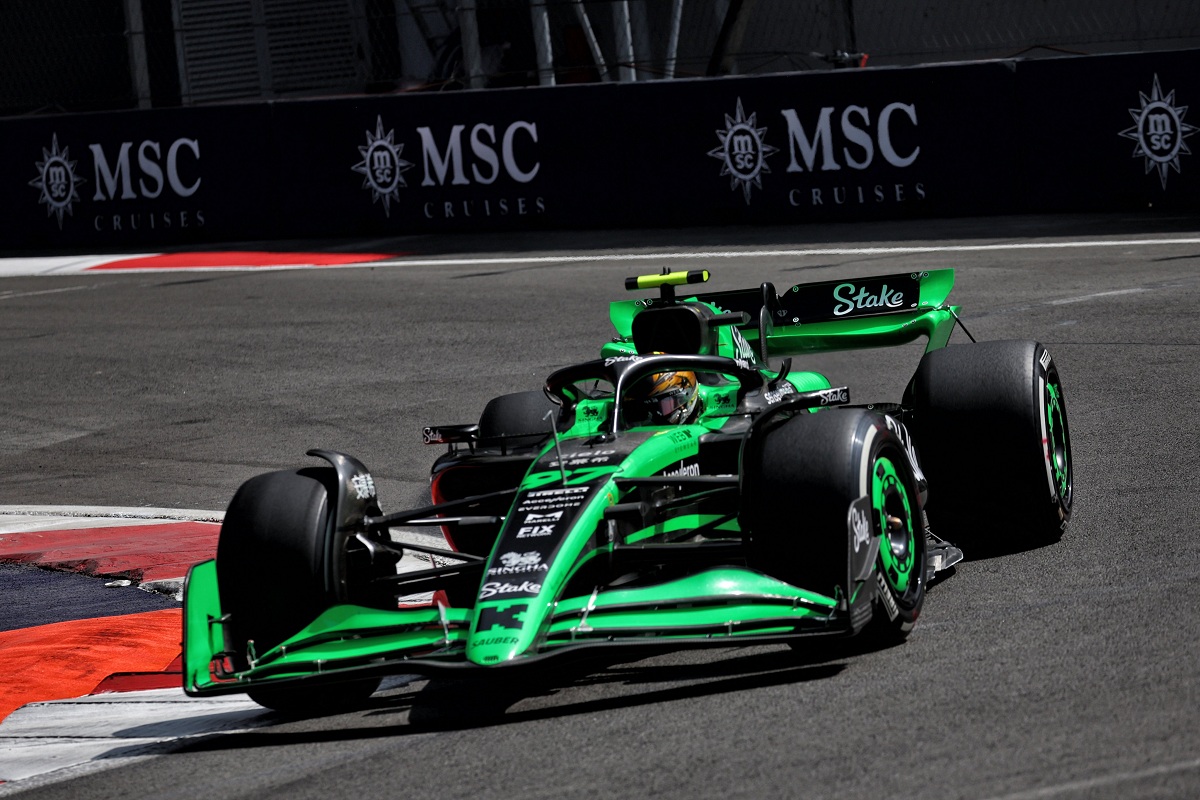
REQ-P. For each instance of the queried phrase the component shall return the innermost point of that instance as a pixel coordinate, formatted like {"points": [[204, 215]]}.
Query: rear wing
{"points": [[877, 311]]}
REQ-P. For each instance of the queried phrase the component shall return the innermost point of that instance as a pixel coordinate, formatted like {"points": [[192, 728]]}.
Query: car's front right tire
{"points": [[799, 483]]}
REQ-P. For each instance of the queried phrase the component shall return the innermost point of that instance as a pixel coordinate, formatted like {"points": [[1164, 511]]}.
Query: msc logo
{"points": [[382, 167], [158, 168], [489, 154], [742, 151], [1159, 130], [57, 180]]}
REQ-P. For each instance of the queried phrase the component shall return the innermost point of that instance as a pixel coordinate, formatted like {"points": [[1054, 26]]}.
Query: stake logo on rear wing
{"points": [[829, 301]]}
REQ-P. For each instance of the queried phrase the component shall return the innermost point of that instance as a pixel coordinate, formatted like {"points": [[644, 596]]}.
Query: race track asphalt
{"points": [[1066, 671]]}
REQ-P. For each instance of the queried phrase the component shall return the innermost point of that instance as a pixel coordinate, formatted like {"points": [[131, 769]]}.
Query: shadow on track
{"points": [[443, 705]]}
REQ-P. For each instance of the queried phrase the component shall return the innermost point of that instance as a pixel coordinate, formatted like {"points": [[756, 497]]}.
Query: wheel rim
{"points": [[893, 511], [1058, 442]]}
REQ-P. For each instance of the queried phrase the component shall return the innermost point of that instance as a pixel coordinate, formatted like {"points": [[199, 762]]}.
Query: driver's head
{"points": [[665, 398]]}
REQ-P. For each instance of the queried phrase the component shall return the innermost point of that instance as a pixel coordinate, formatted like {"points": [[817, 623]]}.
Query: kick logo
{"points": [[743, 152], [57, 181], [1159, 131], [382, 167]]}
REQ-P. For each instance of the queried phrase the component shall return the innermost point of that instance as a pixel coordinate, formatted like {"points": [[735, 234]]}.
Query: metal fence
{"points": [[67, 55]]}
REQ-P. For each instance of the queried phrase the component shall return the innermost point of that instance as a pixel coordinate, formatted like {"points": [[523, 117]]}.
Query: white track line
{"points": [[1071, 787], [726, 254], [1086, 297], [114, 512], [57, 265], [74, 265]]}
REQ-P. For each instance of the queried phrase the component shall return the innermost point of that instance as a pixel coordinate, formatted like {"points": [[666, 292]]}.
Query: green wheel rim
{"points": [[893, 511], [1058, 444]]}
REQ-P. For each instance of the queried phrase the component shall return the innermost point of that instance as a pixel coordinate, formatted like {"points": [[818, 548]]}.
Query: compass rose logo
{"points": [[57, 181], [1159, 130], [743, 152], [382, 167]]}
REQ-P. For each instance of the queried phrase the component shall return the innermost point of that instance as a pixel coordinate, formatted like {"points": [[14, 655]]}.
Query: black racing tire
{"points": [[799, 483], [278, 568], [521, 415], [989, 421]]}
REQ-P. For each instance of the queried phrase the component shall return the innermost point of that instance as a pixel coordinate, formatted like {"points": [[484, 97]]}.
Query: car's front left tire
{"points": [[279, 565]]}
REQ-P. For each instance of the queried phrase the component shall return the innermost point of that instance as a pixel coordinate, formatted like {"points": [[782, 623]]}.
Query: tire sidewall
{"points": [[799, 480], [983, 424], [880, 440]]}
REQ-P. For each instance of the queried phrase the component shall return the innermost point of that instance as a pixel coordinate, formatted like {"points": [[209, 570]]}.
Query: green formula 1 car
{"points": [[679, 491]]}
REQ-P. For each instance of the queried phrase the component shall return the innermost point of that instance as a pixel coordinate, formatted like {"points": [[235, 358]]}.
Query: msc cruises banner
{"points": [[1053, 135]]}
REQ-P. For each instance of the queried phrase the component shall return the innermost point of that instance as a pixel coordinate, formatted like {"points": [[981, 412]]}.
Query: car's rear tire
{"points": [[512, 428], [279, 566], [800, 482], [990, 423], [521, 415]]}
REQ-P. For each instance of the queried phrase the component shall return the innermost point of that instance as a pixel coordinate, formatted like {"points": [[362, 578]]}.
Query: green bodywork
{"points": [[727, 603]]}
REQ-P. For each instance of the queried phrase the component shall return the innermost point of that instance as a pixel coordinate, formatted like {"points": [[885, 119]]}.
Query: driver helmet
{"points": [[665, 398]]}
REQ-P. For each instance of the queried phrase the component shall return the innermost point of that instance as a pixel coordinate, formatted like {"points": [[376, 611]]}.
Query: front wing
{"points": [[721, 606]]}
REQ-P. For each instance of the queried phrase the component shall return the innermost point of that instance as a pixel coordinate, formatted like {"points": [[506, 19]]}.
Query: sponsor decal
{"points": [[856, 130], [147, 172], [860, 526], [519, 563], [901, 430], [382, 166], [773, 396], [484, 156], [364, 486], [538, 525], [863, 542], [494, 588], [506, 616], [829, 146], [743, 153], [57, 181], [684, 471], [848, 301], [1159, 131], [885, 597], [432, 436], [829, 397], [591, 413], [563, 492], [832, 300], [608, 362], [1044, 360], [547, 500], [742, 349], [489, 641], [583, 458], [857, 143]]}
